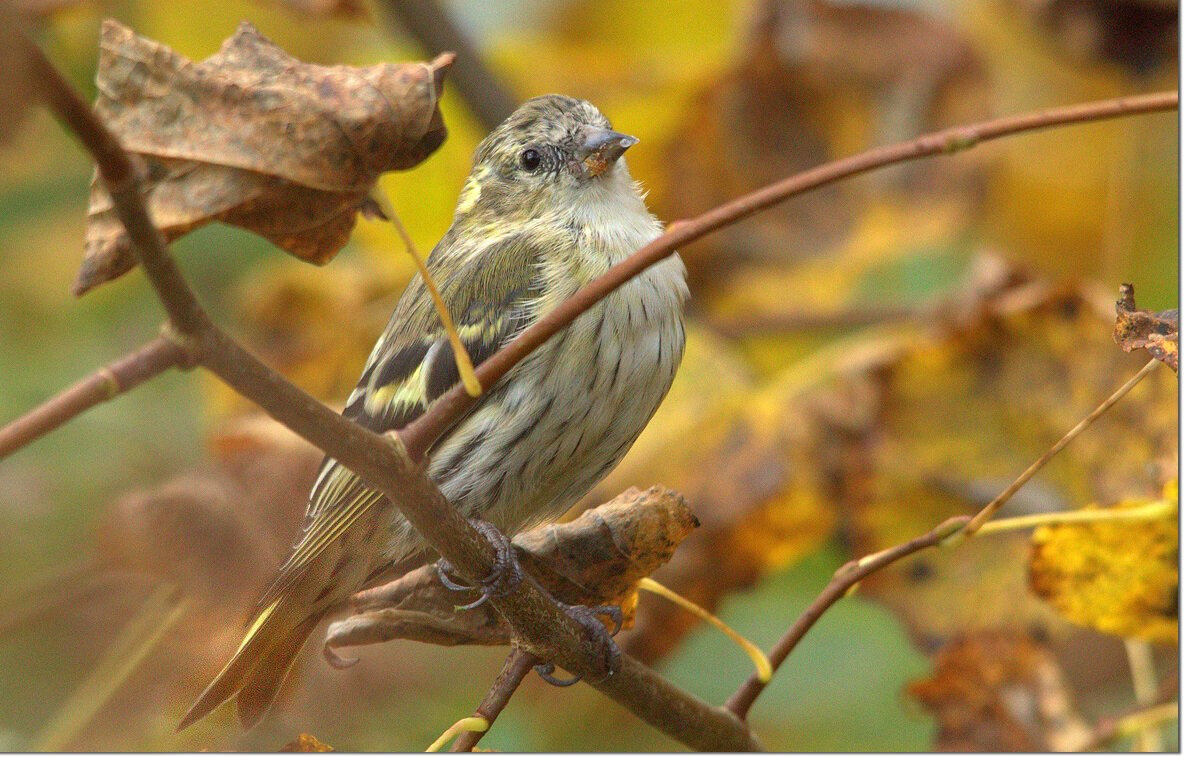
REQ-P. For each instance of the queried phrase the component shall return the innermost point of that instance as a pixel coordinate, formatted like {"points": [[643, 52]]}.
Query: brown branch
{"points": [[844, 579], [433, 27], [518, 664], [421, 434], [106, 383]]}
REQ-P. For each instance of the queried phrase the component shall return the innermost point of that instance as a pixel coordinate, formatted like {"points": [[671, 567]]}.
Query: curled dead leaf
{"points": [[594, 560], [1118, 577], [1158, 333], [306, 742], [254, 138], [998, 692]]}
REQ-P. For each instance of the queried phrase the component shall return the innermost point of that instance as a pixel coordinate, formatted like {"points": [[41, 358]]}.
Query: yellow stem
{"points": [[1150, 511], [1144, 681], [464, 364], [764, 669], [474, 724], [1140, 721]]}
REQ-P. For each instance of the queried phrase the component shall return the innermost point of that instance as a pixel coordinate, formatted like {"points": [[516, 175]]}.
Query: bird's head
{"points": [[553, 150]]}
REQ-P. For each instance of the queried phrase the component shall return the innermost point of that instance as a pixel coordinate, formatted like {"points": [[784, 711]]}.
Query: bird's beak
{"points": [[600, 149]]}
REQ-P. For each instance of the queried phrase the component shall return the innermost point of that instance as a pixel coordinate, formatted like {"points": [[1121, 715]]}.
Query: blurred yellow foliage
{"points": [[1120, 577]]}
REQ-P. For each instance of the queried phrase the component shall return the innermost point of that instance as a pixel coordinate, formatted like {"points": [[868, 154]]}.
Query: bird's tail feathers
{"points": [[261, 663]]}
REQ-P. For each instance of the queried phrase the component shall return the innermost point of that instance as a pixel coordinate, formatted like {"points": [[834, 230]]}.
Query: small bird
{"points": [[549, 205]]}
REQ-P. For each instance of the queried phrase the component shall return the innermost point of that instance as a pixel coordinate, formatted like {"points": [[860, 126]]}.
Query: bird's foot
{"points": [[598, 641], [503, 579]]}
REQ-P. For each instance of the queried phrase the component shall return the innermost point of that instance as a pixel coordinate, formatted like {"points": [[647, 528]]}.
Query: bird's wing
{"points": [[492, 293]]}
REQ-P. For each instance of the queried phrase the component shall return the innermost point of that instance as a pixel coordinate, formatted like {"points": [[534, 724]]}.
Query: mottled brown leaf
{"points": [[1158, 333], [254, 138], [994, 692], [596, 559], [306, 742]]}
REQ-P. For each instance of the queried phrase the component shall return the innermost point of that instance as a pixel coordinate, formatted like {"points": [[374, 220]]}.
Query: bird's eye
{"points": [[530, 159]]}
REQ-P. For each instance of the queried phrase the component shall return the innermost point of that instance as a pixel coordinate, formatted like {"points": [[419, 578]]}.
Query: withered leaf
{"points": [[1117, 577], [1158, 333], [998, 692], [593, 560], [306, 742], [254, 138]]}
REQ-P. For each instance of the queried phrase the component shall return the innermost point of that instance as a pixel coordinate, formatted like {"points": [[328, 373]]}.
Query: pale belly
{"points": [[538, 445]]}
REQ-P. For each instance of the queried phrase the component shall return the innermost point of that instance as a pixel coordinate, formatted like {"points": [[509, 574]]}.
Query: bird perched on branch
{"points": [[549, 206]]}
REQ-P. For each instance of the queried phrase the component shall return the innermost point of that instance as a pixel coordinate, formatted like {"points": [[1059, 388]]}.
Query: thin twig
{"points": [[464, 363], [106, 383], [1150, 511], [764, 669], [423, 432], [993, 506], [840, 585], [518, 664]]}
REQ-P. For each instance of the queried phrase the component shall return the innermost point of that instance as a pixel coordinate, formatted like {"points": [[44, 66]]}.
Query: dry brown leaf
{"points": [[594, 560], [254, 138], [1158, 333], [1118, 577], [995, 692], [306, 742]]}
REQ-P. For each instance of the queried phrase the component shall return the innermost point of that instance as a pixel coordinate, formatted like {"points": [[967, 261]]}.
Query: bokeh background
{"points": [[862, 362]]}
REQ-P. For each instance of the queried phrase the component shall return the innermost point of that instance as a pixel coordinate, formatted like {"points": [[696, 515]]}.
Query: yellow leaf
{"points": [[1119, 577]]}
